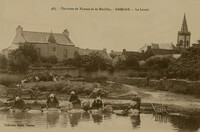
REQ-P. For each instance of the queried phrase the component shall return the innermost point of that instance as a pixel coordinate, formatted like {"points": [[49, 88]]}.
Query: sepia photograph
{"points": [[100, 65]]}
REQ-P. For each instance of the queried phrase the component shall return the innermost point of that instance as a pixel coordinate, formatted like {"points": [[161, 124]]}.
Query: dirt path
{"points": [[163, 97]]}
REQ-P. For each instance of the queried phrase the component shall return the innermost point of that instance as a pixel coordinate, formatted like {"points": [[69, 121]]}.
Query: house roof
{"points": [[41, 37], [11, 47], [115, 53], [131, 54], [83, 52], [158, 46], [164, 52]]}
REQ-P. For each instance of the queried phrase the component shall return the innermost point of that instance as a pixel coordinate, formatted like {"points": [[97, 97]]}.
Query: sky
{"points": [[113, 30]]}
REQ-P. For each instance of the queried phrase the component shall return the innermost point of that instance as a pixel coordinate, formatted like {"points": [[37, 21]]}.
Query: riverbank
{"points": [[175, 103], [120, 95]]}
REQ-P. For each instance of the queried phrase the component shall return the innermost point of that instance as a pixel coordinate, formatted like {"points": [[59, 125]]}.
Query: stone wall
{"points": [[177, 86], [140, 82], [172, 85], [72, 71]]}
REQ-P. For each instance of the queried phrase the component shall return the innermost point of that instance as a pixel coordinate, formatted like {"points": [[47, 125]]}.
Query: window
{"points": [[54, 49], [187, 43], [65, 53], [181, 42], [38, 51]]}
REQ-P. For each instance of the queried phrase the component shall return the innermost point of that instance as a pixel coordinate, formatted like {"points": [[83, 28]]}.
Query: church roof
{"points": [[41, 37], [184, 27]]}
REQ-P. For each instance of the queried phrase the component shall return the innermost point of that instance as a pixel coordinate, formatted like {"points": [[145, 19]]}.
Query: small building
{"points": [[160, 52], [133, 54], [113, 53], [126, 55], [6, 51], [46, 43], [196, 44], [83, 52], [168, 46]]}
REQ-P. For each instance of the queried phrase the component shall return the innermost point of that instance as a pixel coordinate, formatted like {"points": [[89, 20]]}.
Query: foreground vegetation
{"points": [[7, 79]]}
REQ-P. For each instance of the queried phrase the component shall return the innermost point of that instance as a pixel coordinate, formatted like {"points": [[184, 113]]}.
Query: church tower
{"points": [[183, 39]]}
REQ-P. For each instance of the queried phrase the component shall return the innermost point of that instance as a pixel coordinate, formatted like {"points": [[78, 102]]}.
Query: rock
{"points": [[3, 91], [85, 105], [108, 109], [133, 112]]}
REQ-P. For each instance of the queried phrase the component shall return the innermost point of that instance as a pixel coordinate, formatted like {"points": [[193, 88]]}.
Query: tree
{"points": [[49, 60], [158, 63], [92, 62], [187, 66], [127, 63], [21, 58], [3, 62]]}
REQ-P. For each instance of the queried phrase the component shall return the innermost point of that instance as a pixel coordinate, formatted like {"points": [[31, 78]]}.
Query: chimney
{"points": [[66, 32], [124, 50], [142, 51], [19, 30], [148, 47], [104, 49]]}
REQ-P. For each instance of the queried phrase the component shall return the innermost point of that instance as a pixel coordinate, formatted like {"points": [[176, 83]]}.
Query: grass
{"points": [[7, 79]]}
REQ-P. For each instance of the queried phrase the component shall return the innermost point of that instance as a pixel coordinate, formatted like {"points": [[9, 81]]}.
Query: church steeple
{"points": [[184, 27], [183, 39]]}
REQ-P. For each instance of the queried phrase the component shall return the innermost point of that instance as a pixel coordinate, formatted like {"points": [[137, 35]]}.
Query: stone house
{"points": [[46, 43], [161, 52]]}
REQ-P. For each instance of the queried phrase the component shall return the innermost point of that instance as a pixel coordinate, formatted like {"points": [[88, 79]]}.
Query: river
{"points": [[82, 122]]}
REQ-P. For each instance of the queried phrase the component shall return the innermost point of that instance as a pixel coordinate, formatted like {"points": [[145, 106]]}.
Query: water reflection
{"points": [[107, 116], [86, 116], [65, 119], [161, 118], [52, 119], [185, 123], [103, 121], [97, 118], [74, 119], [135, 121]]}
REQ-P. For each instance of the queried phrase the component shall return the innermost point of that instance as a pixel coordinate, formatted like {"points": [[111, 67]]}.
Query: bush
{"points": [[187, 66], [158, 63], [93, 62], [49, 60], [21, 58], [128, 63], [10, 79], [3, 62]]}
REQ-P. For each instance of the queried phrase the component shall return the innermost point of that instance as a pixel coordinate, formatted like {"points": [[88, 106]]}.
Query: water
{"points": [[81, 122]]}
